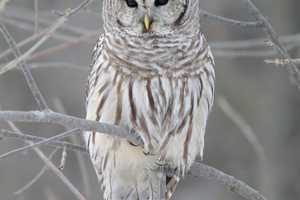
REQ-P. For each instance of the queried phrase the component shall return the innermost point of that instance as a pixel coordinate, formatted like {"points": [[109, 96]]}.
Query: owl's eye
{"points": [[131, 3], [160, 2]]}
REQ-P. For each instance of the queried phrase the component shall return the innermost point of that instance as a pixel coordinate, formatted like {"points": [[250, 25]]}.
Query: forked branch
{"points": [[199, 169]]}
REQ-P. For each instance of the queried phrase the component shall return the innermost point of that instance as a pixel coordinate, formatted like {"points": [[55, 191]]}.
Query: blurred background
{"points": [[253, 130]]}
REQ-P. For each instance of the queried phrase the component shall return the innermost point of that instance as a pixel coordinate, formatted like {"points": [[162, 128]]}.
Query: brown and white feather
{"points": [[163, 88]]}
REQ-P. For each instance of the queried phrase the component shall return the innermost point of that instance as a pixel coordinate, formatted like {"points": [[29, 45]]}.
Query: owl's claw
{"points": [[149, 150]]}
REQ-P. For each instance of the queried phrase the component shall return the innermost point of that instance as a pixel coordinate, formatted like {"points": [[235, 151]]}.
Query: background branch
{"points": [[274, 38], [197, 170]]}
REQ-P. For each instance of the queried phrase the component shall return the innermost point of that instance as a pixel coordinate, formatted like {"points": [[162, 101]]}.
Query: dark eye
{"points": [[131, 3], [160, 2]]}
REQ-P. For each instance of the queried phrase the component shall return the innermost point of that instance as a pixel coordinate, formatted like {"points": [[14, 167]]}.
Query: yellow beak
{"points": [[147, 22]]}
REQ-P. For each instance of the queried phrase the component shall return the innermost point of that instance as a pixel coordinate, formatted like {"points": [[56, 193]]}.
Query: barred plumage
{"points": [[162, 86]]}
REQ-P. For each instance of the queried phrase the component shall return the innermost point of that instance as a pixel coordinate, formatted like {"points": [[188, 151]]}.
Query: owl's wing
{"points": [[93, 73]]}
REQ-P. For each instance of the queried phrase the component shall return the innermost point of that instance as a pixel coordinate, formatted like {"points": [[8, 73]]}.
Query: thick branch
{"points": [[69, 121], [235, 185], [198, 169]]}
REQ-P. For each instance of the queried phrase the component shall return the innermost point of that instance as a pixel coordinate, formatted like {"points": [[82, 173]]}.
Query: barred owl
{"points": [[152, 72]]}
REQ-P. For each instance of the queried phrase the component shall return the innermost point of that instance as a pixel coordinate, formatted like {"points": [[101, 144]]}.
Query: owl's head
{"points": [[156, 17]]}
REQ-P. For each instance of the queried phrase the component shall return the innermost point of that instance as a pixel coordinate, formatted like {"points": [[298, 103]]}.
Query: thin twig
{"points": [[29, 137], [31, 146], [34, 37], [59, 65], [62, 46], [25, 69], [59, 35], [23, 16], [279, 61], [51, 30], [245, 128], [50, 165], [36, 177], [254, 43], [58, 104], [269, 30], [203, 170], [28, 75], [205, 14], [63, 158]]}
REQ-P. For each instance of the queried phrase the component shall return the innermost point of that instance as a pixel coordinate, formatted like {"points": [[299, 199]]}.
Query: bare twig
{"points": [[36, 177], [205, 14], [62, 177], [25, 69], [63, 158], [204, 170], [58, 104], [29, 137], [62, 46], [255, 43], [50, 165], [59, 35], [23, 16], [51, 30], [34, 88], [278, 61], [64, 65], [269, 30], [31, 146], [34, 37], [245, 128]]}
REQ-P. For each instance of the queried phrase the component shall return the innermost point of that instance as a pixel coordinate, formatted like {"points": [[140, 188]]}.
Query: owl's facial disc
{"points": [[150, 16]]}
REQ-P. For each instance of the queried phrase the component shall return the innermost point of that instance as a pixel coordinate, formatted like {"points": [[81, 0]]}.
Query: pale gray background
{"points": [[262, 94]]}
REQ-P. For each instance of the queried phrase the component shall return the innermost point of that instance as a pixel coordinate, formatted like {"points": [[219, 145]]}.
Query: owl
{"points": [[152, 72]]}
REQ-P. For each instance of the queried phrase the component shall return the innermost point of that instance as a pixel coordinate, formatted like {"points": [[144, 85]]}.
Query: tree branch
{"points": [[233, 184], [205, 14], [45, 141], [245, 128], [29, 137], [36, 177], [270, 32], [46, 36], [25, 69], [71, 122], [50, 165], [198, 169]]}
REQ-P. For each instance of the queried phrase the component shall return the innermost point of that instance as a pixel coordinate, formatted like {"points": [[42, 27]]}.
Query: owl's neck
{"points": [[155, 55]]}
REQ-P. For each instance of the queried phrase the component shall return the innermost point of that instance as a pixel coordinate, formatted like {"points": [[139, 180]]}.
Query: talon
{"points": [[148, 150], [161, 163]]}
